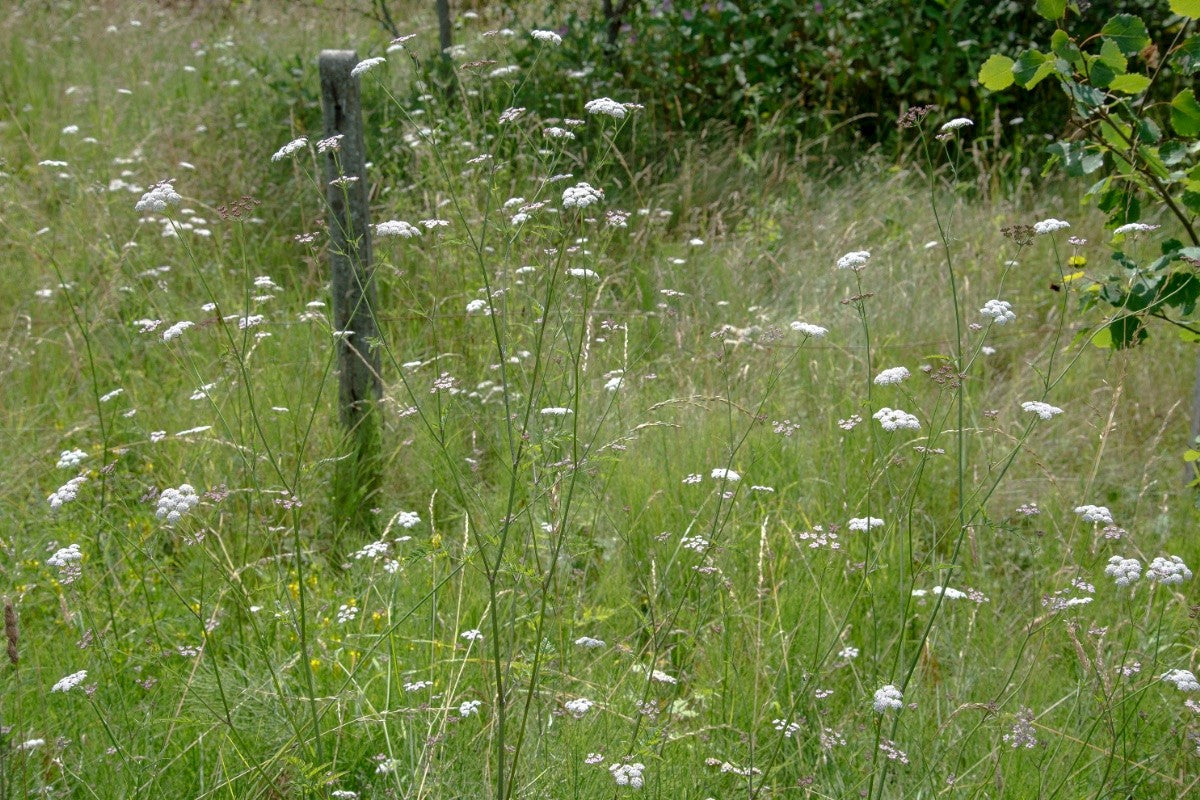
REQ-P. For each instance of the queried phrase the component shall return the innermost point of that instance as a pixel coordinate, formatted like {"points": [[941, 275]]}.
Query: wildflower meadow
{"points": [[700, 461]]}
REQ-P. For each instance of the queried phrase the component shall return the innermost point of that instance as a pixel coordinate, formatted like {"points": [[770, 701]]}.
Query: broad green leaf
{"points": [[1187, 56], [1103, 339], [1185, 113], [1099, 72], [1063, 47], [1173, 152], [1032, 68], [996, 73], [1191, 455], [1186, 8], [1126, 332], [1191, 201], [1127, 32], [1078, 159], [1053, 9], [1129, 84], [1111, 55]]}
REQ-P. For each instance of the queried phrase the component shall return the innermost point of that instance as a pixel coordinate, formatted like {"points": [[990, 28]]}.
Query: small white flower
{"points": [[69, 459], [1183, 679], [174, 503], [546, 36], [472, 635], [1050, 226], [891, 376], [1168, 570], [583, 273], [346, 613], [366, 65], [849, 653], [588, 643], [816, 331], [999, 311], [956, 124], [1135, 227], [291, 148], [408, 519], [476, 306], [725, 474], [66, 493], [1095, 514], [578, 707], [628, 774], [555, 411], [1043, 410], [855, 260], [1123, 570], [469, 707], [581, 195], [658, 676], [892, 419], [176, 330], [606, 106], [864, 523], [160, 196], [888, 697], [70, 682], [396, 227]]}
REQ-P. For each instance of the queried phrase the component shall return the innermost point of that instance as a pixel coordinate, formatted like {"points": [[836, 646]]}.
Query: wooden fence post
{"points": [[359, 383]]}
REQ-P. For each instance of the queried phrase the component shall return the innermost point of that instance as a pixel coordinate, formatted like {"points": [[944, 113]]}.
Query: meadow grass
{"points": [[612, 552]]}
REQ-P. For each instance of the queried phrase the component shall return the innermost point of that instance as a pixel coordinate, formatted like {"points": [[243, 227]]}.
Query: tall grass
{"points": [[616, 552]]}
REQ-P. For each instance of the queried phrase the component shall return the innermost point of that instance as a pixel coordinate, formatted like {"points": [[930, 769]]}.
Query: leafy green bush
{"points": [[1135, 123], [812, 64]]}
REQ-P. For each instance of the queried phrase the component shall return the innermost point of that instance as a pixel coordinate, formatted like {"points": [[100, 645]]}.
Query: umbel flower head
{"points": [[888, 697], [156, 200]]}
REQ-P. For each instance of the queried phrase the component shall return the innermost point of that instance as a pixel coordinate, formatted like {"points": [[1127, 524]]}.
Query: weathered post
{"points": [[445, 41], [359, 384]]}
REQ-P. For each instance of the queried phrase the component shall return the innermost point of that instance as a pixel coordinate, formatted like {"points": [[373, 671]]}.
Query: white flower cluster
{"points": [[1043, 410], [366, 65], [555, 411], [67, 492], [1135, 227], [892, 419], [1183, 679], [888, 697], [583, 273], [160, 196], [581, 195], [70, 682], [999, 311], [891, 376], [1123, 570], [176, 330], [69, 459], [1050, 226], [855, 260], [1097, 514], [546, 36], [174, 503], [1168, 570], [291, 148], [606, 106], [956, 124], [68, 560], [816, 331], [408, 519], [864, 524], [469, 707], [788, 729], [578, 707], [346, 613], [628, 774], [588, 643], [373, 551], [397, 227], [720, 473], [472, 635]]}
